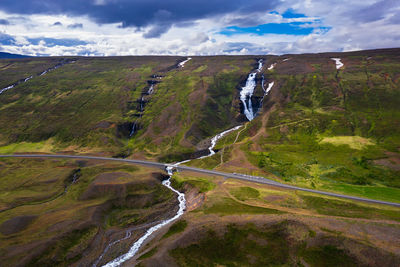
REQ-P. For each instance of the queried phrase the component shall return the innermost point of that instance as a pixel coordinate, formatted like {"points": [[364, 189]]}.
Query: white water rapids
{"points": [[338, 62], [215, 139], [135, 247]]}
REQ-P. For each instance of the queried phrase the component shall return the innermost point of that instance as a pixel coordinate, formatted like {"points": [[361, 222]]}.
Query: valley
{"points": [[325, 126]]}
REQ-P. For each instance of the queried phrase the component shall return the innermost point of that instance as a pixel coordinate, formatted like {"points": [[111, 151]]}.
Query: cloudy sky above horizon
{"points": [[196, 27]]}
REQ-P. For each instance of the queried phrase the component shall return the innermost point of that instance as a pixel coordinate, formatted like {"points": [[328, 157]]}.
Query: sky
{"points": [[196, 27]]}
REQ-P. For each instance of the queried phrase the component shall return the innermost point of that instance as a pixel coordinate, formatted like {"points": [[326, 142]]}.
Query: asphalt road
{"points": [[239, 176]]}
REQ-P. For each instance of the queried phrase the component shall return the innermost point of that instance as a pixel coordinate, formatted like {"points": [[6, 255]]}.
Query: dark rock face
{"points": [[124, 129]]}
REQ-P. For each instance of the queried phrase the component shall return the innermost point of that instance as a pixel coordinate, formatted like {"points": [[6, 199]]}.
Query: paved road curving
{"points": [[239, 176]]}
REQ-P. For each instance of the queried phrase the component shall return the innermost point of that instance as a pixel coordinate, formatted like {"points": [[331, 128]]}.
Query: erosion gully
{"points": [[245, 96], [60, 64]]}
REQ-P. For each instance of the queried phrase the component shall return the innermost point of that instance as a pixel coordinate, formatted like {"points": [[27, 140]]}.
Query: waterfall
{"points": [[245, 97], [247, 92]]}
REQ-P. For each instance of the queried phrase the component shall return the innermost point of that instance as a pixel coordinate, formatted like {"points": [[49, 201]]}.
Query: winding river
{"points": [[246, 93], [135, 247]]}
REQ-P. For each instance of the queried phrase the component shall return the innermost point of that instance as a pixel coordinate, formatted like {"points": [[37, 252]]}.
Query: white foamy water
{"points": [[269, 87], [286, 59], [151, 89], [215, 139], [136, 246], [260, 65], [182, 64], [246, 94], [30, 77], [338, 62], [272, 66], [7, 88]]}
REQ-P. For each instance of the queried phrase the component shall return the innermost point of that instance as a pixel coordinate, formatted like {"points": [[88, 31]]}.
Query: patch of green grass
{"points": [[228, 206], [176, 228], [354, 142], [148, 254], [200, 69], [67, 249], [249, 245], [245, 193], [328, 256], [43, 146], [203, 185], [237, 247], [372, 192], [347, 209]]}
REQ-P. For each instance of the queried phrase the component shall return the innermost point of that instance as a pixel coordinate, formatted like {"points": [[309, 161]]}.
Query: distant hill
{"points": [[8, 55]]}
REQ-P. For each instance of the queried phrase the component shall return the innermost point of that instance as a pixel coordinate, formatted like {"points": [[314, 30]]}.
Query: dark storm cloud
{"points": [[139, 13], [376, 11], [75, 26], [57, 23], [4, 22]]}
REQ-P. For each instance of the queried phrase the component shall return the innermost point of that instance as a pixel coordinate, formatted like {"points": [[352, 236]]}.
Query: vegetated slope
{"points": [[238, 223], [58, 212], [84, 105], [191, 104], [13, 70], [90, 105], [326, 128]]}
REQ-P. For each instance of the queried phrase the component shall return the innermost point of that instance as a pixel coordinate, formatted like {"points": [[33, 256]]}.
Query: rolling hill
{"points": [[327, 121]]}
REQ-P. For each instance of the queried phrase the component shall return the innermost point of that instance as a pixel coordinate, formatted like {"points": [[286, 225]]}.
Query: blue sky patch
{"points": [[290, 14], [294, 28], [51, 42], [6, 39]]}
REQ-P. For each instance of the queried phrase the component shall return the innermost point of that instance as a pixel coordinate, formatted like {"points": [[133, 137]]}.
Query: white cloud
{"points": [[202, 37]]}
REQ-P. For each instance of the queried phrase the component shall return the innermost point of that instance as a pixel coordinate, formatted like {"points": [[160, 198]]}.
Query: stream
{"points": [[62, 63], [247, 93], [182, 64], [135, 247], [338, 62], [150, 91]]}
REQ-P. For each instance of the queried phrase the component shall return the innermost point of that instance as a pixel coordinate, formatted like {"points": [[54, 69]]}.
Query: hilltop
{"points": [[328, 121]]}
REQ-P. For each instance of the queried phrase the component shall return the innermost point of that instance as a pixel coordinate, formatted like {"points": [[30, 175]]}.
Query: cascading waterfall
{"points": [[247, 92], [141, 101]]}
